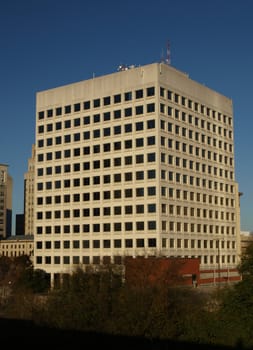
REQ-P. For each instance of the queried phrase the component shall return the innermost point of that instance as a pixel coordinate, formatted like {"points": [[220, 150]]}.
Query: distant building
{"points": [[141, 272], [139, 162], [16, 246], [29, 195], [19, 228], [22, 242], [5, 202], [246, 238]]}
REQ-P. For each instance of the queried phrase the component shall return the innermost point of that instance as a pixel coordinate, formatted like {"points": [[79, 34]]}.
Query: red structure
{"points": [[141, 271]]}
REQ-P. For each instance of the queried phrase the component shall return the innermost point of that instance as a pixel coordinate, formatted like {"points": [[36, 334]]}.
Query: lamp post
{"points": [[219, 266]]}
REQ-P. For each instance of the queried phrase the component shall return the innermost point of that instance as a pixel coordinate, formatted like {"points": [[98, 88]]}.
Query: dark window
{"points": [[151, 107], [128, 96], [58, 111], [128, 112], [96, 103], [67, 109], [139, 94], [86, 105], [117, 98], [139, 126], [138, 110], [77, 107], [107, 100], [117, 114], [151, 91]]}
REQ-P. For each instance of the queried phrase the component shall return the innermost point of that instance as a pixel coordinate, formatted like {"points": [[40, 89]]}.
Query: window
{"points": [[138, 110], [67, 109], [128, 112], [151, 91], [140, 243], [139, 158], [150, 107], [117, 98], [152, 242], [96, 103], [107, 100], [86, 105], [151, 124], [139, 126], [139, 142], [58, 111], [139, 94], [117, 114], [128, 96]]}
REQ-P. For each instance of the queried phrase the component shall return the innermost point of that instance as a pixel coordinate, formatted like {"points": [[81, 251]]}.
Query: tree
{"points": [[246, 265]]}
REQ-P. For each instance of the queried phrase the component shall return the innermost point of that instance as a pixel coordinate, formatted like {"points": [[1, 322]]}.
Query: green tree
{"points": [[246, 264], [236, 305]]}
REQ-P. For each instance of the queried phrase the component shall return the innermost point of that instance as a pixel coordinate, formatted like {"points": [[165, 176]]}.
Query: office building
{"points": [[19, 227], [139, 162], [15, 246], [5, 202], [29, 195]]}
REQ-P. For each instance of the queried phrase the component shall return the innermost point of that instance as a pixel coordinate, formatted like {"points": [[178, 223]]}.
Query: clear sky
{"points": [[49, 43]]}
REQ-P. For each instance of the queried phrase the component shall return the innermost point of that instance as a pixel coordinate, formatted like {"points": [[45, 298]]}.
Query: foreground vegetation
{"points": [[100, 302]]}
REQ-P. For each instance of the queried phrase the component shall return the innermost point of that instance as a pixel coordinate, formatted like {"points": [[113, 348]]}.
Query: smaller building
{"points": [[14, 246], [246, 239], [141, 271], [6, 184]]}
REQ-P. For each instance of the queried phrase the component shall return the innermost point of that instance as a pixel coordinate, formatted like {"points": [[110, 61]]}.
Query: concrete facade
{"points": [[139, 162], [29, 195], [5, 202], [15, 246]]}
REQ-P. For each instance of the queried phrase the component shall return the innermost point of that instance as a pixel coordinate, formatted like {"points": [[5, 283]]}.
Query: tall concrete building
{"points": [[5, 202], [139, 162], [29, 195]]}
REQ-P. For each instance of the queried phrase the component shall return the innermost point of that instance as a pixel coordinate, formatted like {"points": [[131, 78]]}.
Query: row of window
{"points": [[128, 128], [118, 129], [197, 121], [128, 243], [96, 118], [107, 211], [128, 210], [195, 181], [137, 94], [202, 198], [87, 105], [177, 210], [196, 106], [178, 227], [185, 227], [86, 260], [193, 165], [126, 177], [95, 149], [59, 140], [191, 134], [172, 210], [189, 148], [190, 164], [199, 152], [96, 180], [95, 228], [87, 244]]}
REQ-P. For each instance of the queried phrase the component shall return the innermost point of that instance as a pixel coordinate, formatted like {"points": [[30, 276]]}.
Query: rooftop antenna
{"points": [[167, 59]]}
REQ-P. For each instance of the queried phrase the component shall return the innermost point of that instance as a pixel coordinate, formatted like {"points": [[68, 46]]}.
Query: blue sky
{"points": [[49, 43]]}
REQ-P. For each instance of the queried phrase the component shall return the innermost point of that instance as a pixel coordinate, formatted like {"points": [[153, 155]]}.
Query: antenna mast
{"points": [[167, 60]]}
